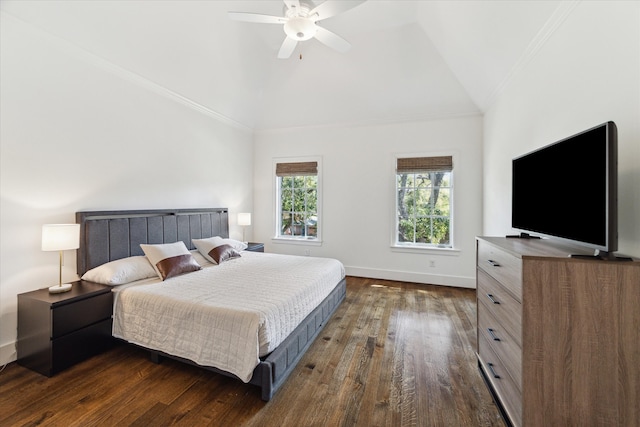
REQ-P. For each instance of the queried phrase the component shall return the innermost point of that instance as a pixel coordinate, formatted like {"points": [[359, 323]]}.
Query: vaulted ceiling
{"points": [[409, 59]]}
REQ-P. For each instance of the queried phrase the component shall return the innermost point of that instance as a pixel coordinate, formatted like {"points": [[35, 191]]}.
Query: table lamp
{"points": [[244, 219], [60, 237]]}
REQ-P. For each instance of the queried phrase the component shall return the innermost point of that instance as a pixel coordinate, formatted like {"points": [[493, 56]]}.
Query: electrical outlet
{"points": [[307, 252], [432, 263]]}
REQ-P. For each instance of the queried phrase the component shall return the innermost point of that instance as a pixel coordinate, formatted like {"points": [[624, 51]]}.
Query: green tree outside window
{"points": [[424, 208]]}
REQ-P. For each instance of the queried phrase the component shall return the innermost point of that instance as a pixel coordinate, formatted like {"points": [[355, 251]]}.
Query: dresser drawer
{"points": [[501, 265], [502, 344], [502, 305], [503, 385], [71, 317]]}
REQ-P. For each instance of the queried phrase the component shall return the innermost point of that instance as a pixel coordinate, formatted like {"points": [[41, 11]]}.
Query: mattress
{"points": [[228, 315]]}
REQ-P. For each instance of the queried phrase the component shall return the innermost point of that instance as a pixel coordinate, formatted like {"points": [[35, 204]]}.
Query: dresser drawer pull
{"points": [[490, 365], [493, 334], [493, 263], [492, 299]]}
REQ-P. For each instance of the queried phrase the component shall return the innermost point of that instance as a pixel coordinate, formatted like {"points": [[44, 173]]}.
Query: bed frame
{"points": [[109, 235]]}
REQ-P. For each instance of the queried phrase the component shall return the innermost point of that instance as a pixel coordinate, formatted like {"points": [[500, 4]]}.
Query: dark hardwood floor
{"points": [[394, 354]]}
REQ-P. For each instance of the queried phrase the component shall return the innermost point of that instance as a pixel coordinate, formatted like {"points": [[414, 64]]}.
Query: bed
{"points": [[269, 327]]}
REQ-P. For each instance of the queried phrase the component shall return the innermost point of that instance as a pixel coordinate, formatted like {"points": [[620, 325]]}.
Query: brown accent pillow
{"points": [[223, 253], [177, 265]]}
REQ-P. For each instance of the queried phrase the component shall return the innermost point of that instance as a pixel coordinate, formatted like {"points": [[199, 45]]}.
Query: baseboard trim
{"points": [[8, 353], [407, 276]]}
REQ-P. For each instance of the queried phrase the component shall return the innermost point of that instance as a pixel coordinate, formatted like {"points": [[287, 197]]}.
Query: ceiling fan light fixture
{"points": [[300, 18], [300, 29]]}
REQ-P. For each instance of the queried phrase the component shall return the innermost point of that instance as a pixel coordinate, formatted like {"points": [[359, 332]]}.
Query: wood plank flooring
{"points": [[394, 354]]}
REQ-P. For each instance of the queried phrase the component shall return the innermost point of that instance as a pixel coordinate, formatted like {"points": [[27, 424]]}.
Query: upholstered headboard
{"points": [[109, 235]]}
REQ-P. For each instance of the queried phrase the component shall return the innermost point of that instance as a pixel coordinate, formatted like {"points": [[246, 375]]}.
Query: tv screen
{"points": [[568, 189]]}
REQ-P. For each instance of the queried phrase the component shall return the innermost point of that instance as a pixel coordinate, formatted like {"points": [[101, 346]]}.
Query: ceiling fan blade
{"points": [[292, 3], [332, 40], [256, 17], [333, 7], [288, 45]]}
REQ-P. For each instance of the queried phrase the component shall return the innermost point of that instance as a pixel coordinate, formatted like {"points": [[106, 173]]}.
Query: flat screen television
{"points": [[568, 190]]}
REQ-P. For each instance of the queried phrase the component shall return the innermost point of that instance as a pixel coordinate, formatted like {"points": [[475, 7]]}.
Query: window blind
{"points": [[297, 168], [424, 164]]}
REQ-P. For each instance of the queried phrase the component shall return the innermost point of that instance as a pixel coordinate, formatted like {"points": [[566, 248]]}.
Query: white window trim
{"points": [[296, 241], [317, 241], [412, 247]]}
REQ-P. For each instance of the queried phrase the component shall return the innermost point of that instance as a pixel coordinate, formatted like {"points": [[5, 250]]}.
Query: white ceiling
{"points": [[409, 59]]}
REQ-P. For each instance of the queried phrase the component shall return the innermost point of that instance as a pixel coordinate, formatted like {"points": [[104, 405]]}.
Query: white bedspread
{"points": [[226, 315]]}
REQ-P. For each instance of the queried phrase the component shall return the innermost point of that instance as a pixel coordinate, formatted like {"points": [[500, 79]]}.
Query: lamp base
{"points": [[58, 289]]}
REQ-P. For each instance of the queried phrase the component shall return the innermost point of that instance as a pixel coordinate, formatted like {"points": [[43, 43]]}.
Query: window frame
{"points": [[306, 240], [398, 246]]}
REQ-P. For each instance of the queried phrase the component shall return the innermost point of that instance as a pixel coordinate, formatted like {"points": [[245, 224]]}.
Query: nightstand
{"points": [[56, 331], [255, 247]]}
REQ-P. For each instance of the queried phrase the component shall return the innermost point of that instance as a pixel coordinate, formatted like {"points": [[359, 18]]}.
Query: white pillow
{"points": [[205, 246], [235, 244], [121, 271], [170, 259], [199, 258]]}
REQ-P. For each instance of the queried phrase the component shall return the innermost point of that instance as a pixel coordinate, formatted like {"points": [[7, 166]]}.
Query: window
{"points": [[423, 205], [297, 200]]}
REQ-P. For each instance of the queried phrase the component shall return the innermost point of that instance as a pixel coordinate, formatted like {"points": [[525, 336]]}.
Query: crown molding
{"points": [[562, 12], [134, 78], [372, 122]]}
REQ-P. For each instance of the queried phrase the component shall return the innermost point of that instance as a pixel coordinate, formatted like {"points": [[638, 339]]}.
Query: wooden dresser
{"points": [[558, 337]]}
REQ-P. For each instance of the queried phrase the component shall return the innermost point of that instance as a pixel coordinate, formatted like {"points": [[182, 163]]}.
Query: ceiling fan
{"points": [[300, 22]]}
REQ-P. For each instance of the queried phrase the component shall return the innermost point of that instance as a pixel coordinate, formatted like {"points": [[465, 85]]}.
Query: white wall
{"points": [[359, 195], [586, 73], [79, 134]]}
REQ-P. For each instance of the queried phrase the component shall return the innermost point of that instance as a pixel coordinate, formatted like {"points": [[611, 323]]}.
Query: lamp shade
{"points": [[244, 219], [60, 237]]}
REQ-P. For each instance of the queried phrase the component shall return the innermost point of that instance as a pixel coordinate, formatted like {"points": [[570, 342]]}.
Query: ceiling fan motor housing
{"points": [[300, 25], [300, 29]]}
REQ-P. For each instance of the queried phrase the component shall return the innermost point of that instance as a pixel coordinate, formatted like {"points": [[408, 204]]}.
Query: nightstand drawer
{"points": [[80, 345], [71, 317], [507, 311], [502, 266]]}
